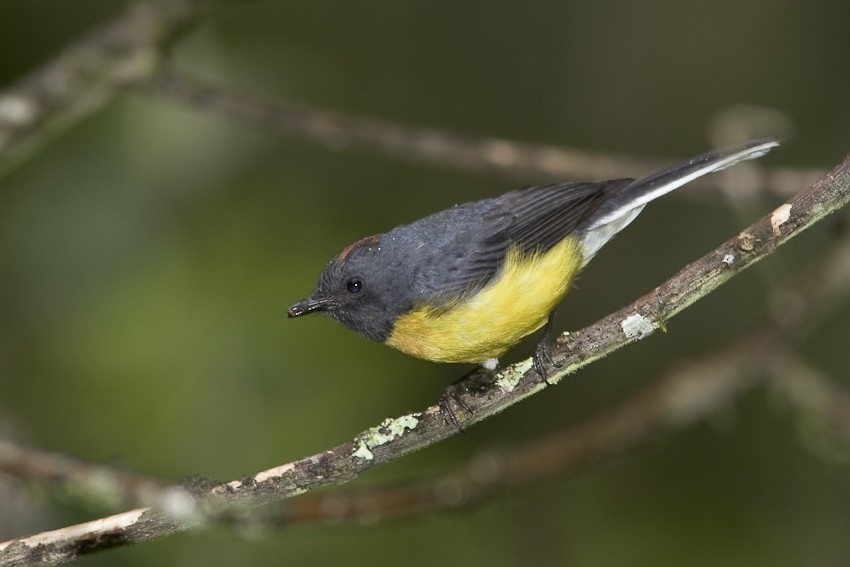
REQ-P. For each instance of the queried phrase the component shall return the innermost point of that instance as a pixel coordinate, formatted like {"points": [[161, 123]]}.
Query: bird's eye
{"points": [[354, 285]]}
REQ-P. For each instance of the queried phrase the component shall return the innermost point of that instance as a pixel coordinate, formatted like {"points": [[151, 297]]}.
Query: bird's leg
{"points": [[477, 380], [543, 352]]}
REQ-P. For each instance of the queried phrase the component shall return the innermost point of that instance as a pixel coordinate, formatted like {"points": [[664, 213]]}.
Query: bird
{"points": [[465, 284]]}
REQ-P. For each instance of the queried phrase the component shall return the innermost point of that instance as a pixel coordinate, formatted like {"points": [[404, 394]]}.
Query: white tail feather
{"points": [[643, 197], [601, 227]]}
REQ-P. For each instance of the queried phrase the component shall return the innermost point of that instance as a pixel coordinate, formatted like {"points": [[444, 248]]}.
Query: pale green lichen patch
{"points": [[636, 325], [389, 429], [508, 378], [398, 425], [361, 451], [292, 490]]}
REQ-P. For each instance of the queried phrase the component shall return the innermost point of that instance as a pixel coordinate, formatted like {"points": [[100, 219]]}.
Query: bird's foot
{"points": [[476, 381], [543, 352]]}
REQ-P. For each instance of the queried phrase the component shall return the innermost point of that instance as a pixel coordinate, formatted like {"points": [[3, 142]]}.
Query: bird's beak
{"points": [[309, 305]]}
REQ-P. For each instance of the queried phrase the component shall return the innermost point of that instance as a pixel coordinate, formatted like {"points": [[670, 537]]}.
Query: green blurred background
{"points": [[147, 257]]}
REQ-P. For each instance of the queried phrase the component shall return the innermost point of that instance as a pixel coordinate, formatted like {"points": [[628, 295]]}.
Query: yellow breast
{"points": [[485, 325]]}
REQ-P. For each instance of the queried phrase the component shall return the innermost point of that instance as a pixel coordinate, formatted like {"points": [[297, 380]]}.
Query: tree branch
{"points": [[337, 130], [87, 73], [396, 437], [714, 380], [686, 395]]}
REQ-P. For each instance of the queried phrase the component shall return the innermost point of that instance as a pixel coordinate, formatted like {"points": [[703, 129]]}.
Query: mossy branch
{"points": [[396, 437]]}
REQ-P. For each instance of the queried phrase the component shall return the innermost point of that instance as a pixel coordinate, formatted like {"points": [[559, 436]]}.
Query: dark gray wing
{"points": [[534, 219], [537, 218]]}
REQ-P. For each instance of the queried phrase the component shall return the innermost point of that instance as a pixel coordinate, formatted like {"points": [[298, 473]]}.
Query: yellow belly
{"points": [[485, 325]]}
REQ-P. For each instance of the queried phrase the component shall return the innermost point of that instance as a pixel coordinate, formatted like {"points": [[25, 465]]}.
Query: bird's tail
{"points": [[628, 202]]}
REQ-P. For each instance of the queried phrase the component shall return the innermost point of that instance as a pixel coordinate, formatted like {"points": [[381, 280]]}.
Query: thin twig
{"points": [[399, 436], [532, 162]]}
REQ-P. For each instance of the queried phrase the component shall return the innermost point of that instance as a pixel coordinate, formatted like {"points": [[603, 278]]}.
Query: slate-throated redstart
{"points": [[467, 283]]}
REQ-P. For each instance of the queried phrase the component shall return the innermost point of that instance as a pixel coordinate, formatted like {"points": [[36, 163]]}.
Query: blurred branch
{"points": [[84, 76], [396, 437], [339, 131], [99, 484], [820, 401]]}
